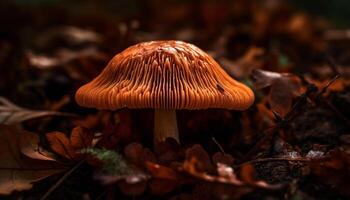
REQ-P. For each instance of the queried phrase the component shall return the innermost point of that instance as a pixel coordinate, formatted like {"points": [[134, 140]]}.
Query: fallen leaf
{"points": [[18, 172], [70, 147], [81, 138], [29, 146], [138, 155], [11, 113], [226, 175], [164, 179], [162, 172], [220, 157], [132, 189], [284, 87], [169, 151], [60, 144], [198, 153]]}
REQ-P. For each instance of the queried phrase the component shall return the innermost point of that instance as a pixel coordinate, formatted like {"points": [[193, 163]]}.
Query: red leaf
{"points": [[198, 153], [61, 144], [138, 155], [70, 147], [81, 138], [161, 172]]}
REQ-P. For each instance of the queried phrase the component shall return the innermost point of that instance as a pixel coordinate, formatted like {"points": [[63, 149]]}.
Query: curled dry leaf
{"points": [[164, 180], [222, 158], [29, 146], [161, 172], [133, 189], [11, 113], [69, 147], [136, 154], [226, 175], [18, 172], [284, 87], [198, 153], [169, 151]]}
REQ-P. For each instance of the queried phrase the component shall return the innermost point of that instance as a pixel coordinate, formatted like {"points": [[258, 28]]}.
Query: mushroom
{"points": [[165, 76]]}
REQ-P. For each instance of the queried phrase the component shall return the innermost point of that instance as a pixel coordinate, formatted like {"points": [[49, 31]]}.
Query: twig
{"points": [[332, 64], [61, 180], [218, 144], [101, 195], [325, 88], [283, 121], [297, 159]]}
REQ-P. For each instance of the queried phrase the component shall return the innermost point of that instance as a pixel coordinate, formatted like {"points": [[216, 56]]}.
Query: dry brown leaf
{"points": [[11, 113], [226, 175], [161, 172], [69, 147], [61, 145], [220, 157], [138, 155], [164, 180], [18, 172], [81, 138], [198, 153], [29, 146], [284, 87]]}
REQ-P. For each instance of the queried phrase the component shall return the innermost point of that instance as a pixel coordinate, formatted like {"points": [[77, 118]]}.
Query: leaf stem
{"points": [[61, 180]]}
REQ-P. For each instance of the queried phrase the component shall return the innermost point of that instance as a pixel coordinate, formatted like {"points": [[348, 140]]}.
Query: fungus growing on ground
{"points": [[165, 76]]}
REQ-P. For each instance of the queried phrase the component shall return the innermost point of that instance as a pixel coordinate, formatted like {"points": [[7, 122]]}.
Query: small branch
{"points": [[61, 180], [325, 88], [297, 159], [218, 144], [332, 64], [283, 121]]}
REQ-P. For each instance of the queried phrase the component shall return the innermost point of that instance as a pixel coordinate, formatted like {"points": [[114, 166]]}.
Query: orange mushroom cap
{"points": [[164, 75]]}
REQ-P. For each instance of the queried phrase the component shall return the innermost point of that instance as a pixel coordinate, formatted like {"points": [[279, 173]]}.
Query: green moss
{"points": [[113, 162]]}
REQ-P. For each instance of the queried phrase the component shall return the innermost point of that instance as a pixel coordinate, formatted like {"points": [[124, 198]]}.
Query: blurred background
{"points": [[49, 48], [55, 34]]}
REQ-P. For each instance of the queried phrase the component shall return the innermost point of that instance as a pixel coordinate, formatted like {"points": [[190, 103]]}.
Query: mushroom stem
{"points": [[165, 125]]}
